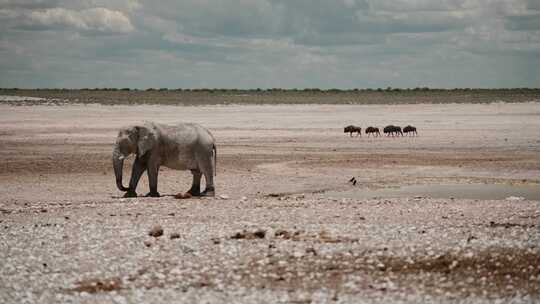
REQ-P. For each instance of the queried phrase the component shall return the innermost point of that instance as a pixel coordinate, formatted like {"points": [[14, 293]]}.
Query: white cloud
{"points": [[98, 19], [93, 19]]}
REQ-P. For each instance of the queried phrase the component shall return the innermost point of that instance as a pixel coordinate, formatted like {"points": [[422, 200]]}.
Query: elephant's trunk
{"points": [[118, 165]]}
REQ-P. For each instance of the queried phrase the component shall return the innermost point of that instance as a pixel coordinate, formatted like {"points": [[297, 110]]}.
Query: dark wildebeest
{"points": [[410, 129], [373, 130], [351, 129], [388, 129], [397, 130], [392, 130]]}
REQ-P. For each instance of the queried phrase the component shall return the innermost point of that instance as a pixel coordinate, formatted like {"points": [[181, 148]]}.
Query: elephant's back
{"points": [[191, 134], [182, 133], [198, 132]]}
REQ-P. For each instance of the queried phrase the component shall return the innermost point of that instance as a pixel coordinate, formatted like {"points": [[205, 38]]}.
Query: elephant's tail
{"points": [[215, 159]]}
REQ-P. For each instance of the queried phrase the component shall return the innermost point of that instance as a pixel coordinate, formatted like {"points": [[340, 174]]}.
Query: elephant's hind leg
{"points": [[209, 190], [207, 167], [196, 184]]}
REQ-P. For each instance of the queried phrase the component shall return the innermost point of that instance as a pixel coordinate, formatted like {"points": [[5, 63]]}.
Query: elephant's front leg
{"points": [[153, 171], [138, 169]]}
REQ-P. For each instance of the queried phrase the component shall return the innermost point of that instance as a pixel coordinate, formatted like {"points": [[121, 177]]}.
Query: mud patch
{"points": [[97, 286], [249, 235]]}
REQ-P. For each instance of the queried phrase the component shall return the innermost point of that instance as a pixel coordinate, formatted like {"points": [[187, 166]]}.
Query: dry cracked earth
{"points": [[286, 225]]}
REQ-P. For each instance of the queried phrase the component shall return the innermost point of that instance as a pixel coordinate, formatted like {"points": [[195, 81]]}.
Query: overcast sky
{"points": [[269, 43]]}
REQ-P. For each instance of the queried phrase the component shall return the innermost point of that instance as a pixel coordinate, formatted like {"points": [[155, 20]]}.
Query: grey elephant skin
{"points": [[185, 146]]}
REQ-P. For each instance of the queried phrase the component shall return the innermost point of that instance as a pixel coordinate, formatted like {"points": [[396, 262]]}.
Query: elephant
{"points": [[410, 129], [351, 129], [373, 130], [185, 146]]}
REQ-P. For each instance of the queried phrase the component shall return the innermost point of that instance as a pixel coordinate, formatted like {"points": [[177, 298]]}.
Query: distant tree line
{"points": [[273, 90]]}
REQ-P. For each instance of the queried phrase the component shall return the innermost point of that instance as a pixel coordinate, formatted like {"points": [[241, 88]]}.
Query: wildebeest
{"points": [[388, 129], [392, 130], [397, 130], [373, 130], [351, 129], [410, 130]]}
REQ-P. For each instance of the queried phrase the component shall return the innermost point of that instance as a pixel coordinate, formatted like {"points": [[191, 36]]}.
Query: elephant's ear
{"points": [[147, 140]]}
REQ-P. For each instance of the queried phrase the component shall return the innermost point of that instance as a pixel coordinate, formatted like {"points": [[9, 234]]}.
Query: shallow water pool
{"points": [[459, 191]]}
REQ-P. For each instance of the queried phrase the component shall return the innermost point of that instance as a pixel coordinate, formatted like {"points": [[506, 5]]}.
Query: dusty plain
{"points": [[273, 233]]}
